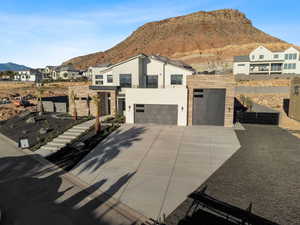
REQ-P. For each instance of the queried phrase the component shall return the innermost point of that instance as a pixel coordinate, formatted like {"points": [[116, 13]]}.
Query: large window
{"points": [[261, 56], [289, 66], [109, 78], [125, 80], [291, 56], [152, 81], [176, 79], [276, 56]]}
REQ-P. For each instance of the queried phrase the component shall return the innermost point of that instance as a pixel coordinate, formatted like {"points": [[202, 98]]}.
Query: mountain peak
{"points": [[183, 36]]}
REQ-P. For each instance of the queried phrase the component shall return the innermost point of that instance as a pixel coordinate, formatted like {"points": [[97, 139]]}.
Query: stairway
{"points": [[67, 137]]}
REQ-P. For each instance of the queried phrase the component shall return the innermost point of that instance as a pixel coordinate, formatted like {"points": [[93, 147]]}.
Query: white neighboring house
{"points": [[96, 70], [262, 61], [28, 75], [153, 83]]}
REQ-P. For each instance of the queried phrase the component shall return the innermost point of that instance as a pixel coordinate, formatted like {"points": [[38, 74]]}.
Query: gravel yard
{"points": [[36, 128]]}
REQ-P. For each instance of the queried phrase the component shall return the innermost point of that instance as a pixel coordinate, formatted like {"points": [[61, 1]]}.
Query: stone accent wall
{"points": [[294, 110], [213, 81], [85, 107]]}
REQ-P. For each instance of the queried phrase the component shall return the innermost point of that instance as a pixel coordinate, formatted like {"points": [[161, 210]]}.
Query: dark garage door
{"points": [[209, 106], [156, 114]]}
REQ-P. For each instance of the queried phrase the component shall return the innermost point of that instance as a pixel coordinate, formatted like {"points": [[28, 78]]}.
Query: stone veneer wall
{"points": [[82, 106], [213, 81], [294, 110]]}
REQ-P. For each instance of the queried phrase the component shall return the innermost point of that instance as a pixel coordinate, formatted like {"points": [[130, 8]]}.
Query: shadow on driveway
{"points": [[34, 194]]}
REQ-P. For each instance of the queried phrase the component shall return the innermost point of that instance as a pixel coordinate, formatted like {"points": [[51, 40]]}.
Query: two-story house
{"points": [[155, 89], [31, 75], [262, 61]]}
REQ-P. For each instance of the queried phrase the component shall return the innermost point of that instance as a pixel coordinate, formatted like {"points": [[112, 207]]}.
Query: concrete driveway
{"points": [[161, 164]]}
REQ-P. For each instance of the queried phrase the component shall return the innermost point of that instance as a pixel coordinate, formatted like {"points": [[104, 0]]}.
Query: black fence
{"points": [[271, 118]]}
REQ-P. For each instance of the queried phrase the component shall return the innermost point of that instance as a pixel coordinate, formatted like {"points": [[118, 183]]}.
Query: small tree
{"points": [[39, 93], [88, 105], [73, 99], [96, 101], [249, 103]]}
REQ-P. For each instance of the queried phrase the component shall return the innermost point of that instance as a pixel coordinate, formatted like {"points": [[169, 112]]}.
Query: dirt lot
{"points": [[10, 89]]}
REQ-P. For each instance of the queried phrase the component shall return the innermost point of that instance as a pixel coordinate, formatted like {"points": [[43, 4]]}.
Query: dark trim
{"points": [[109, 88]]}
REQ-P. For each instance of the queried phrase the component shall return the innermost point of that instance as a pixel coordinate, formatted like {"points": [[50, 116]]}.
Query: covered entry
{"points": [[209, 106], [156, 114]]}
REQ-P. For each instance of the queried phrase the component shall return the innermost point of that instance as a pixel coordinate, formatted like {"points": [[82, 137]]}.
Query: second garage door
{"points": [[156, 114], [209, 106]]}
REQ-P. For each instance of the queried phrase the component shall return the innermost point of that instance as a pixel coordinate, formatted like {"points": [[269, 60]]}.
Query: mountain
{"points": [[202, 39], [12, 67]]}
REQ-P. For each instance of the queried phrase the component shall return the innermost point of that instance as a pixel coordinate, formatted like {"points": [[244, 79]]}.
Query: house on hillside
{"points": [[262, 61], [96, 70], [157, 90], [31, 75], [65, 73]]}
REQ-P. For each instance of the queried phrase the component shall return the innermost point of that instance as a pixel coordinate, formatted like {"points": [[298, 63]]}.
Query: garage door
{"points": [[156, 114], [209, 106]]}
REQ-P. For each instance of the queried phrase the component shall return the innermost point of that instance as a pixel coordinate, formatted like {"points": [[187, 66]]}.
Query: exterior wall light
{"points": [[129, 107], [182, 108]]}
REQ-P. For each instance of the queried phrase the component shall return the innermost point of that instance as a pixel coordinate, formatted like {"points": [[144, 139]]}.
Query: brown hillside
{"points": [[198, 38]]}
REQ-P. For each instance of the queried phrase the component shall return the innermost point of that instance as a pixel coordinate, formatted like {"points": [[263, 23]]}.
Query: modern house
{"points": [[154, 89], [96, 70], [29, 76], [262, 61]]}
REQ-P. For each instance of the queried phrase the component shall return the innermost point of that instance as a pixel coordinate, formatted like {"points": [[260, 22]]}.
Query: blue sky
{"points": [[39, 33]]}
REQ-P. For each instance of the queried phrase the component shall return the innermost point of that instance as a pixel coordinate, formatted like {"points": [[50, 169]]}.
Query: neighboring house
{"points": [[96, 70], [66, 73], [155, 89], [262, 61], [29, 75]]}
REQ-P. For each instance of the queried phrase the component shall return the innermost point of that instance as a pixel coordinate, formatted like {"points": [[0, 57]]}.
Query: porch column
{"points": [[113, 103]]}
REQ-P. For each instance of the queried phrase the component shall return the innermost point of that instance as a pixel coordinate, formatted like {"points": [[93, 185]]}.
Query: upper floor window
{"points": [[241, 64], [109, 78], [125, 80], [261, 56], [291, 56], [98, 76], [176, 79], [276, 56], [253, 57], [152, 81]]}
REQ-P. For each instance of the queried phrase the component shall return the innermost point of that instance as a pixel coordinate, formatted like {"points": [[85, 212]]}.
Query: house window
{"points": [[276, 56], [286, 56], [98, 76], [295, 56], [152, 81], [99, 82], [176, 79], [261, 56], [241, 64], [289, 66], [253, 57], [293, 66], [125, 80], [109, 78]]}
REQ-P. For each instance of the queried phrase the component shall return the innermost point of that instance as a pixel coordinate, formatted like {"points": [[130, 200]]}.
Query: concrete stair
{"points": [[68, 136]]}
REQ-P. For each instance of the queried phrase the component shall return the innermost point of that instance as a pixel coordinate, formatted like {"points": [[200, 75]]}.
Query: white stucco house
{"points": [[152, 89], [262, 61], [28, 76]]}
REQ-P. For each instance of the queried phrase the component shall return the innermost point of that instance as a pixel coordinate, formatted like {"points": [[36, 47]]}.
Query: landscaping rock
{"points": [[31, 120], [79, 145], [43, 130]]}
